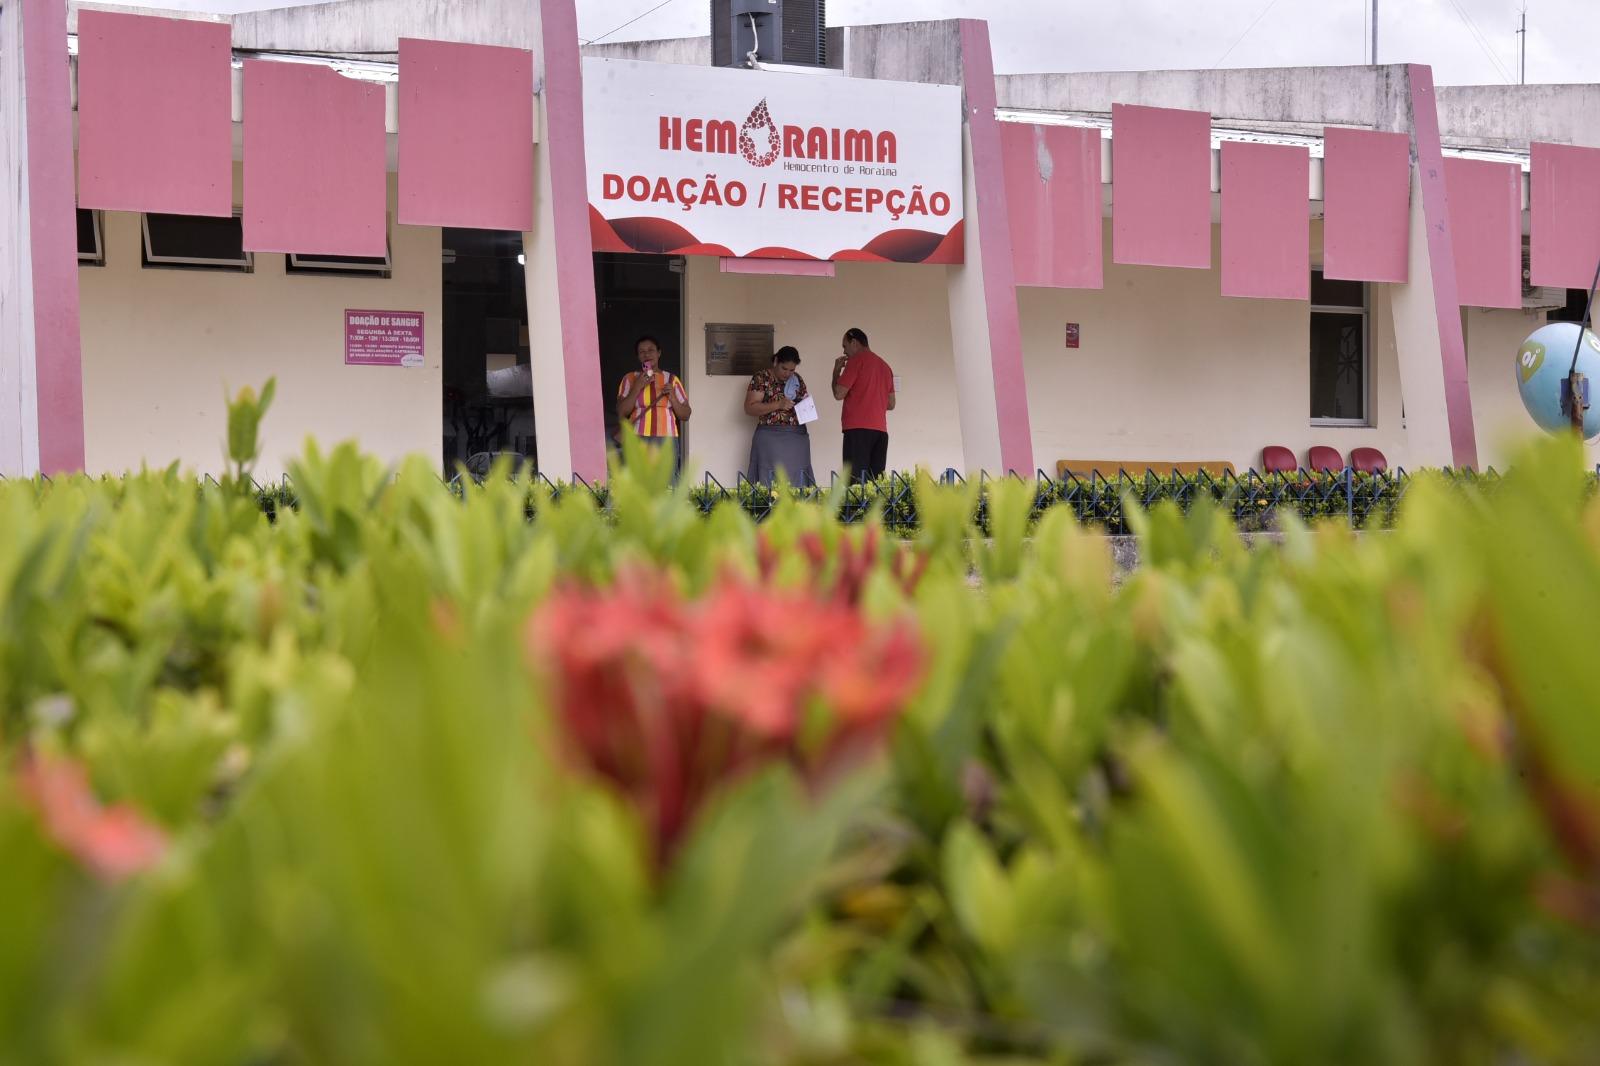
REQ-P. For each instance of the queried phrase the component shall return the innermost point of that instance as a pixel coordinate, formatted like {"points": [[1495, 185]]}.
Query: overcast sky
{"points": [[1458, 37]]}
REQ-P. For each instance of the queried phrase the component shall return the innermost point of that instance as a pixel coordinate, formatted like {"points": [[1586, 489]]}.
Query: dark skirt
{"points": [[780, 447]]}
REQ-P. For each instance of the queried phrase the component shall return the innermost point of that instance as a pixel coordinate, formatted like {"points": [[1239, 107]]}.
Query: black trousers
{"points": [[866, 452]]}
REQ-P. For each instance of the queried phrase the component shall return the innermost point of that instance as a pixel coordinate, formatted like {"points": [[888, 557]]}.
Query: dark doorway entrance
{"points": [[488, 380], [636, 295]]}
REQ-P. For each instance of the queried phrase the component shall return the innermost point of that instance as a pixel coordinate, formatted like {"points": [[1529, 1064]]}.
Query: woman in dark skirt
{"points": [[780, 441]]}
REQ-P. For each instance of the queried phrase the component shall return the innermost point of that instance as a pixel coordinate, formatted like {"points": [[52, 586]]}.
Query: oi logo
{"points": [[1529, 360]]}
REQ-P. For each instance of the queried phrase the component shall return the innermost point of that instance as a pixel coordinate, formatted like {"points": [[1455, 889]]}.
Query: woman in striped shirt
{"points": [[652, 400]]}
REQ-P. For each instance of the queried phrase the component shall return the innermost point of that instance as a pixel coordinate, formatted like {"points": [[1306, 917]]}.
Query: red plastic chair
{"points": [[1276, 459], [1323, 458], [1368, 461]]}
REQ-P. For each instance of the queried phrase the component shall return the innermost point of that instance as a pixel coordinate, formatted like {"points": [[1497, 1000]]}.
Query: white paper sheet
{"points": [[806, 411]]}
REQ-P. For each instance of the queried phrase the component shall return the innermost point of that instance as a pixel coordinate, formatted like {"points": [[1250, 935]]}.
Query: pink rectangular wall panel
{"points": [[466, 136], [1485, 203], [155, 114], [1564, 244], [1366, 229], [1053, 200], [315, 172], [1161, 186], [1266, 221]]}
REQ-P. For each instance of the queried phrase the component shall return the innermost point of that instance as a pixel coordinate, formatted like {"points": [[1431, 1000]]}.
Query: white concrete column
{"points": [[552, 432], [985, 326], [1416, 342], [563, 329], [969, 339], [1427, 309], [19, 421]]}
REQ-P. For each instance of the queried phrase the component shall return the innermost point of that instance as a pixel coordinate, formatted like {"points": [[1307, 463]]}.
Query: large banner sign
{"points": [[720, 161]]}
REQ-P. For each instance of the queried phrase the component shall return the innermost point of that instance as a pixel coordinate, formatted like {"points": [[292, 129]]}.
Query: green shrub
{"points": [[390, 773]]}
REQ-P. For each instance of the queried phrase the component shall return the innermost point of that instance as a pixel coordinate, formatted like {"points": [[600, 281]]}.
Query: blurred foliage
{"points": [[299, 786]]}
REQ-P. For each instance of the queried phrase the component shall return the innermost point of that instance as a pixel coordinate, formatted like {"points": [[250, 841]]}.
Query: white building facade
{"points": [[1009, 353]]}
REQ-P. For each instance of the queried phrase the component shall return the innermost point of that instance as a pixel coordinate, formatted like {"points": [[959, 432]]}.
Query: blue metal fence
{"points": [[1255, 501]]}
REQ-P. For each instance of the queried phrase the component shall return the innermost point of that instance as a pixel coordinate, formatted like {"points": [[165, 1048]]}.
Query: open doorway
{"points": [[488, 379], [636, 295]]}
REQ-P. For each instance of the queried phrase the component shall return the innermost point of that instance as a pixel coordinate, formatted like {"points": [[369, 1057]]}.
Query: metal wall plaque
{"points": [[738, 349]]}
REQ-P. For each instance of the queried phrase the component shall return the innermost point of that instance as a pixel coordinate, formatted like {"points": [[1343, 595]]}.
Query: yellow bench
{"points": [[1109, 468]]}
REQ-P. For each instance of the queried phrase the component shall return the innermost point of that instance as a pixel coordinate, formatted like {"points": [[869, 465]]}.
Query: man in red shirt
{"points": [[864, 383]]}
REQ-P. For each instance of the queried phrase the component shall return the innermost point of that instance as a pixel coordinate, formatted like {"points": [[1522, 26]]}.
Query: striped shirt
{"points": [[653, 415]]}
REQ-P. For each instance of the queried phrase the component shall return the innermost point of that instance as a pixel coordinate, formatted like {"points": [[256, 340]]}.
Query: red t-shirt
{"points": [[871, 383]]}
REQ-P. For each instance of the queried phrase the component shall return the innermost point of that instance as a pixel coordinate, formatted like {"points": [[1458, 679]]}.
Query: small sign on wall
{"points": [[383, 338], [738, 349], [1072, 334]]}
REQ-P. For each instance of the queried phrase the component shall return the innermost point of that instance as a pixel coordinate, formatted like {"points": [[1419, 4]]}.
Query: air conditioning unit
{"points": [[1538, 297], [787, 32]]}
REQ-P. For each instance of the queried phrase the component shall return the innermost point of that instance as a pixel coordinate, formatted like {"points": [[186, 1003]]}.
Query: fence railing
{"points": [[1256, 501]]}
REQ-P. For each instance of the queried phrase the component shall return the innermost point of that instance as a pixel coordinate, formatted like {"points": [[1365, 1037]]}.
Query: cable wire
{"points": [[1256, 21], [1483, 43], [630, 22]]}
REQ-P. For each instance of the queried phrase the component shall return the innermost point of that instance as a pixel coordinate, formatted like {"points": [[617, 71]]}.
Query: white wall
{"points": [[1270, 97], [354, 26], [160, 347], [902, 308], [1170, 370], [1510, 116], [688, 51]]}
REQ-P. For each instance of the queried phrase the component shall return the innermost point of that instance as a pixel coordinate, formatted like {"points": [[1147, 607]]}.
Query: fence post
{"points": [[1350, 495]]}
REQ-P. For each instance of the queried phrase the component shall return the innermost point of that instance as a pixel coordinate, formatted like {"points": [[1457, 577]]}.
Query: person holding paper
{"points": [[782, 406], [865, 384]]}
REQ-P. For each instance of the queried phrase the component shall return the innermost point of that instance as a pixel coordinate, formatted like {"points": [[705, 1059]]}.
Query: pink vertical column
{"points": [[57, 354], [563, 145], [994, 250], [1442, 267]]}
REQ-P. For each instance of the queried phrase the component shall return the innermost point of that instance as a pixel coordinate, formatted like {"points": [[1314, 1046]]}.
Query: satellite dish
{"points": [[1543, 364]]}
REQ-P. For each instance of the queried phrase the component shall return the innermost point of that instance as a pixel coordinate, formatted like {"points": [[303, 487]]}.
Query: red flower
{"points": [[843, 572], [670, 699], [114, 842]]}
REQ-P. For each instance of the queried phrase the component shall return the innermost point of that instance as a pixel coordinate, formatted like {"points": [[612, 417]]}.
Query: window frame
{"points": [[98, 257], [1365, 311], [305, 263], [149, 261]]}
